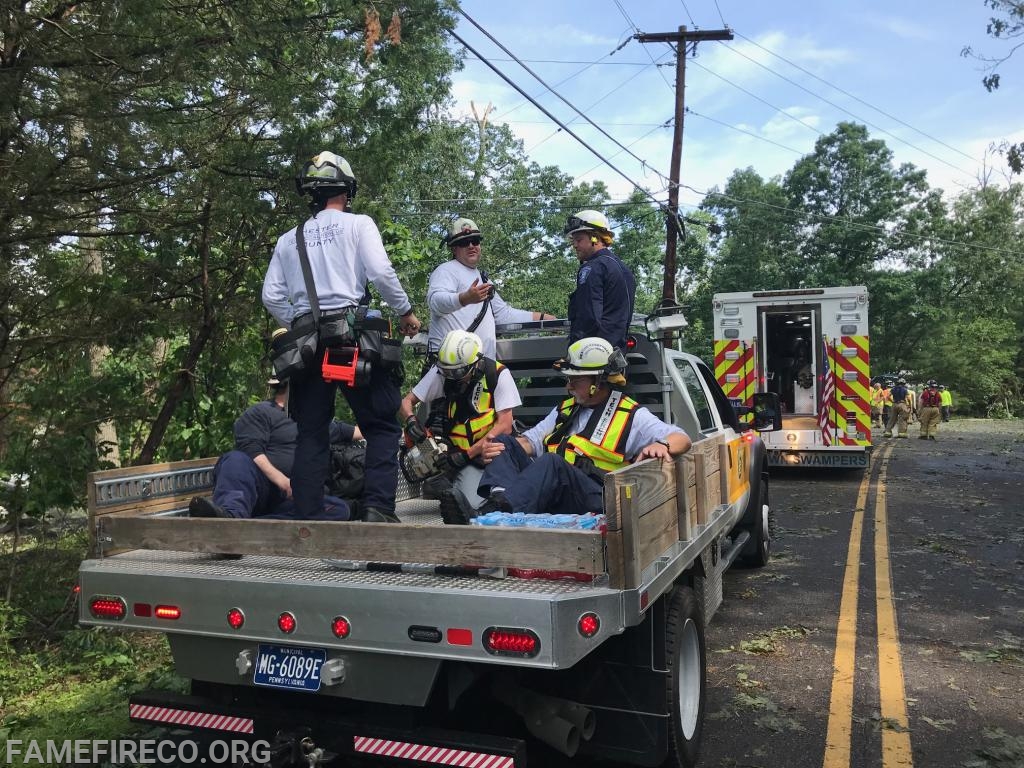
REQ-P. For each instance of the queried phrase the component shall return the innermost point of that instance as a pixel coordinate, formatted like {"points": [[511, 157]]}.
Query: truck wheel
{"points": [[758, 550], [686, 682]]}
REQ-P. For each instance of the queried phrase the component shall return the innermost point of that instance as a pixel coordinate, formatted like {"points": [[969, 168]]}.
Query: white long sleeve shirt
{"points": [[446, 313], [345, 251]]}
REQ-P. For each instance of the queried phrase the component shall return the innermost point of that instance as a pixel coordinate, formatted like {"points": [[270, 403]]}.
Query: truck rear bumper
{"points": [[836, 458], [291, 732]]}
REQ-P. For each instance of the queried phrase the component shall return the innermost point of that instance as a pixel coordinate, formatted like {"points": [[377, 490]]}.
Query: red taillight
{"points": [[171, 612], [108, 608], [341, 627], [459, 636], [76, 589], [286, 623], [502, 641], [630, 342], [749, 436], [588, 624], [236, 618]]}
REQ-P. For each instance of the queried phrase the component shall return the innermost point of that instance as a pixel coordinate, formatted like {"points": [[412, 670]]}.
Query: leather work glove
{"points": [[457, 459], [414, 431]]}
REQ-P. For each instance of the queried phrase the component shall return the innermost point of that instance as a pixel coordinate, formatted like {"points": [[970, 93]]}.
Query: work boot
{"points": [[922, 437], [496, 502], [931, 437], [201, 506], [887, 434], [455, 508], [378, 515]]}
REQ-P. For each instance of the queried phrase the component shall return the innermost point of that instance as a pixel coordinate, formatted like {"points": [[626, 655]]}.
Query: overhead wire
{"points": [[547, 112], [541, 80], [854, 97], [738, 52]]}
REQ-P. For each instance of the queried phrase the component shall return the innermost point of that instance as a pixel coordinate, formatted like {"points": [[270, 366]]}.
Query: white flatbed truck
{"points": [[415, 651]]}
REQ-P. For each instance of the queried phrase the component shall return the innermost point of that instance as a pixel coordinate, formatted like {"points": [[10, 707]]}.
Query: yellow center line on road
{"points": [[896, 749], [840, 708]]}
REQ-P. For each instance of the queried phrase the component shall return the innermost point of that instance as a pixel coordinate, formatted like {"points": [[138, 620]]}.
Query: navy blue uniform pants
{"points": [[547, 483], [242, 490], [311, 402]]}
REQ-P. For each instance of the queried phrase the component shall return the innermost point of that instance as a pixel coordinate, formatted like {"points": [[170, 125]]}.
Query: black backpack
{"points": [[348, 470]]}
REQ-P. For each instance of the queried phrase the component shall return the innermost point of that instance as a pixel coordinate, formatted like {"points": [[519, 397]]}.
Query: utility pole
{"points": [[680, 38]]}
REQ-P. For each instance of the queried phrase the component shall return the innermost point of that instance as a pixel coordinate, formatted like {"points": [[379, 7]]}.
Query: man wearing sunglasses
{"points": [[558, 466], [478, 395], [602, 304], [458, 290]]}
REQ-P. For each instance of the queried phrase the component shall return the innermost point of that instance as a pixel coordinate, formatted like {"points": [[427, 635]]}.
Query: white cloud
{"points": [[898, 27]]}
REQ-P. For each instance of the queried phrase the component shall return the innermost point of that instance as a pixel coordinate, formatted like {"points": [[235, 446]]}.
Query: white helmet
{"points": [[587, 357], [587, 221], [462, 229], [459, 354], [327, 174]]}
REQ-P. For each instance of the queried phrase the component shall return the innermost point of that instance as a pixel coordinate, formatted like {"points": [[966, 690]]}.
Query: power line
{"points": [[740, 130], [540, 80], [688, 14], [720, 14], [539, 106], [844, 109], [856, 98]]}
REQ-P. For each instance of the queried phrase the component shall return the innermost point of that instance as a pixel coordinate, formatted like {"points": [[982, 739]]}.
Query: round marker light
{"points": [[589, 624], [341, 627], [286, 622], [236, 618]]}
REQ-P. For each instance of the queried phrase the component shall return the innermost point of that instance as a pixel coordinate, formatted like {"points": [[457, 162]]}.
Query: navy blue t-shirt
{"points": [[602, 304], [266, 428]]}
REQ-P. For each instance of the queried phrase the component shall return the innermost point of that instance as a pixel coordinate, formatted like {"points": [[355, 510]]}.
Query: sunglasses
{"points": [[469, 242]]}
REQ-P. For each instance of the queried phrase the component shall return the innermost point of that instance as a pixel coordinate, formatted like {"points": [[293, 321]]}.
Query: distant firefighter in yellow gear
{"points": [[928, 412]]}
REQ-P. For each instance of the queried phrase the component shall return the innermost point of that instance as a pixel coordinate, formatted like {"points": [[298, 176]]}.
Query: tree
{"points": [[1007, 25]]}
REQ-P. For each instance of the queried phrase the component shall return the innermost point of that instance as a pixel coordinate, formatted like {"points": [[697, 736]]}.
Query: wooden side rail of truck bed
{"points": [[649, 507]]}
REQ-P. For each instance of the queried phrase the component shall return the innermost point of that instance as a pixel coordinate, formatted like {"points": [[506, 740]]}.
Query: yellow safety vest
{"points": [[877, 396], [472, 414], [602, 439], [887, 397]]}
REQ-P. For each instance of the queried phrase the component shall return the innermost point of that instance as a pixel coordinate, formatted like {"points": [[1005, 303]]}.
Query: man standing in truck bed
{"points": [[602, 304]]}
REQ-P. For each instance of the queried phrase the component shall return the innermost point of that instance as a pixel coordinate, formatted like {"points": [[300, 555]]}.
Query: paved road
{"points": [[950, 517]]}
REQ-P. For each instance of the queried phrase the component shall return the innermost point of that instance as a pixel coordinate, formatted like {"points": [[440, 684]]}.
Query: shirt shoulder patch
{"points": [[583, 275]]}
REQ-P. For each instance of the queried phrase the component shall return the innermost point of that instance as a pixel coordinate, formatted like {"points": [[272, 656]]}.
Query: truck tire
{"points": [[687, 679], [758, 550]]}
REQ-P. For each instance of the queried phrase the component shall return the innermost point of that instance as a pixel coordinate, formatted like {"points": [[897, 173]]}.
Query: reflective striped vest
{"points": [[471, 414], [602, 439]]}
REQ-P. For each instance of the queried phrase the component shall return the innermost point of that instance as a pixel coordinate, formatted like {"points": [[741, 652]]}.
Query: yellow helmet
{"points": [[460, 353]]}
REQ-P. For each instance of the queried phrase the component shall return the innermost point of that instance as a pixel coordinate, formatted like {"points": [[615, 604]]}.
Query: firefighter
{"points": [[559, 465], [253, 479], [458, 290], [912, 402], [886, 402], [480, 394], [946, 398], [602, 304], [876, 404], [900, 411], [931, 400], [344, 252]]}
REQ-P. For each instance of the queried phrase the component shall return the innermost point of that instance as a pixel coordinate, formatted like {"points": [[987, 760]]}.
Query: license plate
{"points": [[284, 666]]}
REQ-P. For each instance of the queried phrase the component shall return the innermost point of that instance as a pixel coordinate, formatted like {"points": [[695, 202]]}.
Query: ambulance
{"points": [[810, 347]]}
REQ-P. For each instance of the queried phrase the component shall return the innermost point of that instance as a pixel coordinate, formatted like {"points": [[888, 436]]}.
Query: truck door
{"points": [[791, 357]]}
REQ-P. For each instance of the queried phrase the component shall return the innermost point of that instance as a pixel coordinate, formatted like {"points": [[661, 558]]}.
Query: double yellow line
{"points": [[892, 697]]}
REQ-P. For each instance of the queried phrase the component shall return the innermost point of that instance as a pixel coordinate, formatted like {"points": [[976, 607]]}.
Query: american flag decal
{"points": [[828, 393]]}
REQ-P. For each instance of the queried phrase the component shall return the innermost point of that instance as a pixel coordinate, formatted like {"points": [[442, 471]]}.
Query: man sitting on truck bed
{"points": [[559, 465], [479, 394], [253, 480]]}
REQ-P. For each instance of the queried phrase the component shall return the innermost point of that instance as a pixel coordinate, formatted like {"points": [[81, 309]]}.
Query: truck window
{"points": [[696, 393], [725, 410]]}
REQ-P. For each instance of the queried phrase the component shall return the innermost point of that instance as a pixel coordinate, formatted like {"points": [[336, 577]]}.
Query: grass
{"points": [[59, 681]]}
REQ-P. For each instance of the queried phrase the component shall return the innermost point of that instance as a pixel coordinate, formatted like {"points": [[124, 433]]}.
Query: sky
{"points": [[792, 71]]}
